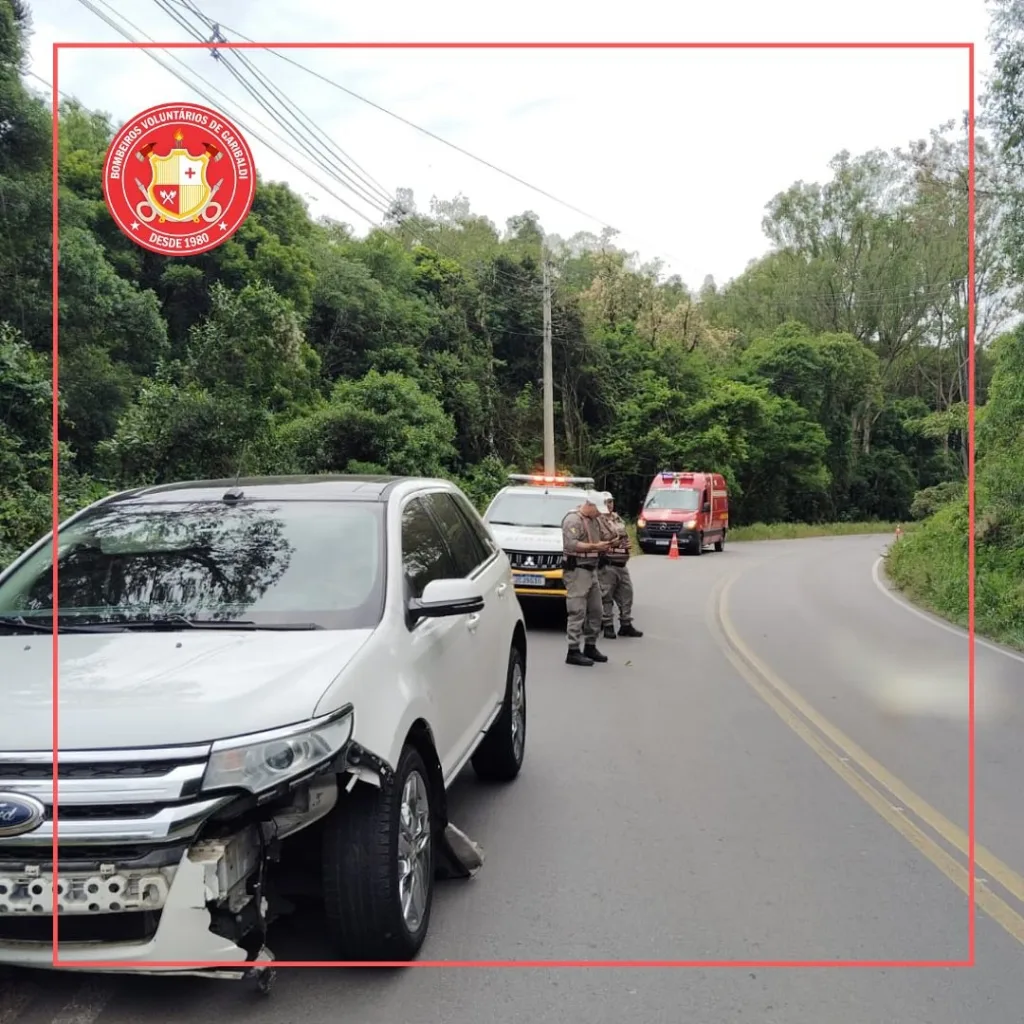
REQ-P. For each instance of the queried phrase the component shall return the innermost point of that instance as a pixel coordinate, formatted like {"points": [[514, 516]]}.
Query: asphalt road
{"points": [[776, 771]]}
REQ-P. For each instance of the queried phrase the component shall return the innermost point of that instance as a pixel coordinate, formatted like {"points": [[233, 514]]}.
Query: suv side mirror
{"points": [[443, 598]]}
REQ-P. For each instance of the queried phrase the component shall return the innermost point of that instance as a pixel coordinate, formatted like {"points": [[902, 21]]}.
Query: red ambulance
{"points": [[692, 506]]}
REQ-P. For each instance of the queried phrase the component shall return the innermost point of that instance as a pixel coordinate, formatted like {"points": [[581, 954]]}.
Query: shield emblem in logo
{"points": [[179, 189]]}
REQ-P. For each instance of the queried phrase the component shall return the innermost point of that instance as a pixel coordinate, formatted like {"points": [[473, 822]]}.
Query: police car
{"points": [[526, 520]]}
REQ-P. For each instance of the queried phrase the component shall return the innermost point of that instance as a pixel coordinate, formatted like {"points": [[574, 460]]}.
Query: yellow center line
{"points": [[801, 717]]}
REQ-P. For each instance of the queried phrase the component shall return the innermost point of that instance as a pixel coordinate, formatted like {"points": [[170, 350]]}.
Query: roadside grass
{"points": [[929, 568], [799, 531]]}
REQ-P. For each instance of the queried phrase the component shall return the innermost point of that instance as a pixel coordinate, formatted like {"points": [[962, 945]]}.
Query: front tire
{"points": [[500, 756], [378, 866]]}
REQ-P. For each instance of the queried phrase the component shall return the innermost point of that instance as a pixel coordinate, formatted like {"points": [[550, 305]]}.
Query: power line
{"points": [[342, 179], [245, 60], [672, 258], [49, 85], [191, 84], [373, 193], [406, 218], [298, 136], [222, 54], [411, 124]]}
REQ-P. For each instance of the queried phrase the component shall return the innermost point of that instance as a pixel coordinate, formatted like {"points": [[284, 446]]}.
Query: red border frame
{"points": [[186, 965]]}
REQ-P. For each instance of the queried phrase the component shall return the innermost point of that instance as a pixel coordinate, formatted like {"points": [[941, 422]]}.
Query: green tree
{"points": [[25, 255], [382, 423]]}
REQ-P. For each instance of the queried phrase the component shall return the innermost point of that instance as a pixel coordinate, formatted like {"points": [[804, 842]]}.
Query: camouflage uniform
{"points": [[582, 586], [616, 583]]}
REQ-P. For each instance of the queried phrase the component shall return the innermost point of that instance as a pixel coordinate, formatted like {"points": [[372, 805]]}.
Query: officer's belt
{"points": [[574, 562]]}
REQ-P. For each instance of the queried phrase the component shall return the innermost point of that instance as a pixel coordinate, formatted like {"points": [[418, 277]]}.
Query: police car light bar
{"points": [[558, 481]]}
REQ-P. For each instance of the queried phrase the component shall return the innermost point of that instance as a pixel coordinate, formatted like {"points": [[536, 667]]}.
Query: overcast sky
{"points": [[679, 150]]}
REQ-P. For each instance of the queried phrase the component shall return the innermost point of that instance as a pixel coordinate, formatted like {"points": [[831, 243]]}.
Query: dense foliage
{"points": [[828, 382], [932, 565]]}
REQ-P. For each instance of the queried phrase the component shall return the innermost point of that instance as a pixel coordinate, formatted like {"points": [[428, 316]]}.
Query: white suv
{"points": [[266, 687]]}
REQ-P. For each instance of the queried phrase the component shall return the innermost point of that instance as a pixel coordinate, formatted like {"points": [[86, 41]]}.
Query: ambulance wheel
{"points": [[720, 544], [699, 549]]}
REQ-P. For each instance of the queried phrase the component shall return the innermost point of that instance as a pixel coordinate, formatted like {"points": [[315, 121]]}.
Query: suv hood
{"points": [[537, 539], [155, 689]]}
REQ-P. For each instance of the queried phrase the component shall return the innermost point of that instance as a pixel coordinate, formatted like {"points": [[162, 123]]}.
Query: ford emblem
{"points": [[19, 814]]}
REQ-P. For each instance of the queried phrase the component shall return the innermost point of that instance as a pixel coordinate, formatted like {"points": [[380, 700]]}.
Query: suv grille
{"points": [[542, 562], [126, 818], [127, 797]]}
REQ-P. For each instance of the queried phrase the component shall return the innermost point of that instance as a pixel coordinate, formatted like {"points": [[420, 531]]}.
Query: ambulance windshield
{"points": [[683, 499]]}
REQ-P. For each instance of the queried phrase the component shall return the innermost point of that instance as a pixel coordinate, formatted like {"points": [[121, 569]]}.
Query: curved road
{"points": [[777, 770]]}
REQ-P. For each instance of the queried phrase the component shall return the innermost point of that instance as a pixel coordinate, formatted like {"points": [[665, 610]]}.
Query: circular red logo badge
{"points": [[179, 179]]}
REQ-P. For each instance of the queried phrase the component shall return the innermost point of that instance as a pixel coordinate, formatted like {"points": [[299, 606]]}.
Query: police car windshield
{"points": [[685, 499], [536, 509]]}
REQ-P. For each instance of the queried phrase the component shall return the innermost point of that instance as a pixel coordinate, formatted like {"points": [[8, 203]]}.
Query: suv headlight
{"points": [[261, 761], [690, 524]]}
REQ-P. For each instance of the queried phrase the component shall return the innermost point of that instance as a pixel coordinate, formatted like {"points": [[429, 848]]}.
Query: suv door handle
{"points": [[502, 587], [472, 622]]}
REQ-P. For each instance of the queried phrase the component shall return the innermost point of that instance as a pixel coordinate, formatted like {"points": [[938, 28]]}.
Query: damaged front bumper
{"points": [[153, 870], [182, 933], [153, 876], [173, 910]]}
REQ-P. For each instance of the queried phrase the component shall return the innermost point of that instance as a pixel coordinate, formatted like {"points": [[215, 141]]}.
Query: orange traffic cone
{"points": [[673, 548]]}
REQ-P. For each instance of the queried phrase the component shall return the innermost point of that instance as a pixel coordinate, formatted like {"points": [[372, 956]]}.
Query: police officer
{"points": [[582, 547], [616, 584]]}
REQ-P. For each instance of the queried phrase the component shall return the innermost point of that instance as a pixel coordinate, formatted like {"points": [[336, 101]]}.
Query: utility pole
{"points": [[549, 387]]}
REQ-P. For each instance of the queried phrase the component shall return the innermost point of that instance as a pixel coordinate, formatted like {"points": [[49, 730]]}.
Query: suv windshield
{"points": [[682, 499], [263, 563], [540, 509]]}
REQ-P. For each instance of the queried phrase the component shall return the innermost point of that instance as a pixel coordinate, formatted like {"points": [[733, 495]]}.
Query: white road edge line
{"points": [[934, 620]]}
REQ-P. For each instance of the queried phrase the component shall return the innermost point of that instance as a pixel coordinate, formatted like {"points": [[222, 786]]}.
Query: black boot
{"points": [[628, 629], [575, 658], [609, 632], [590, 651]]}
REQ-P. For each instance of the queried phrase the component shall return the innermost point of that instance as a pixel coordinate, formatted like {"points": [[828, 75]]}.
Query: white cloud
{"points": [[678, 149]]}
